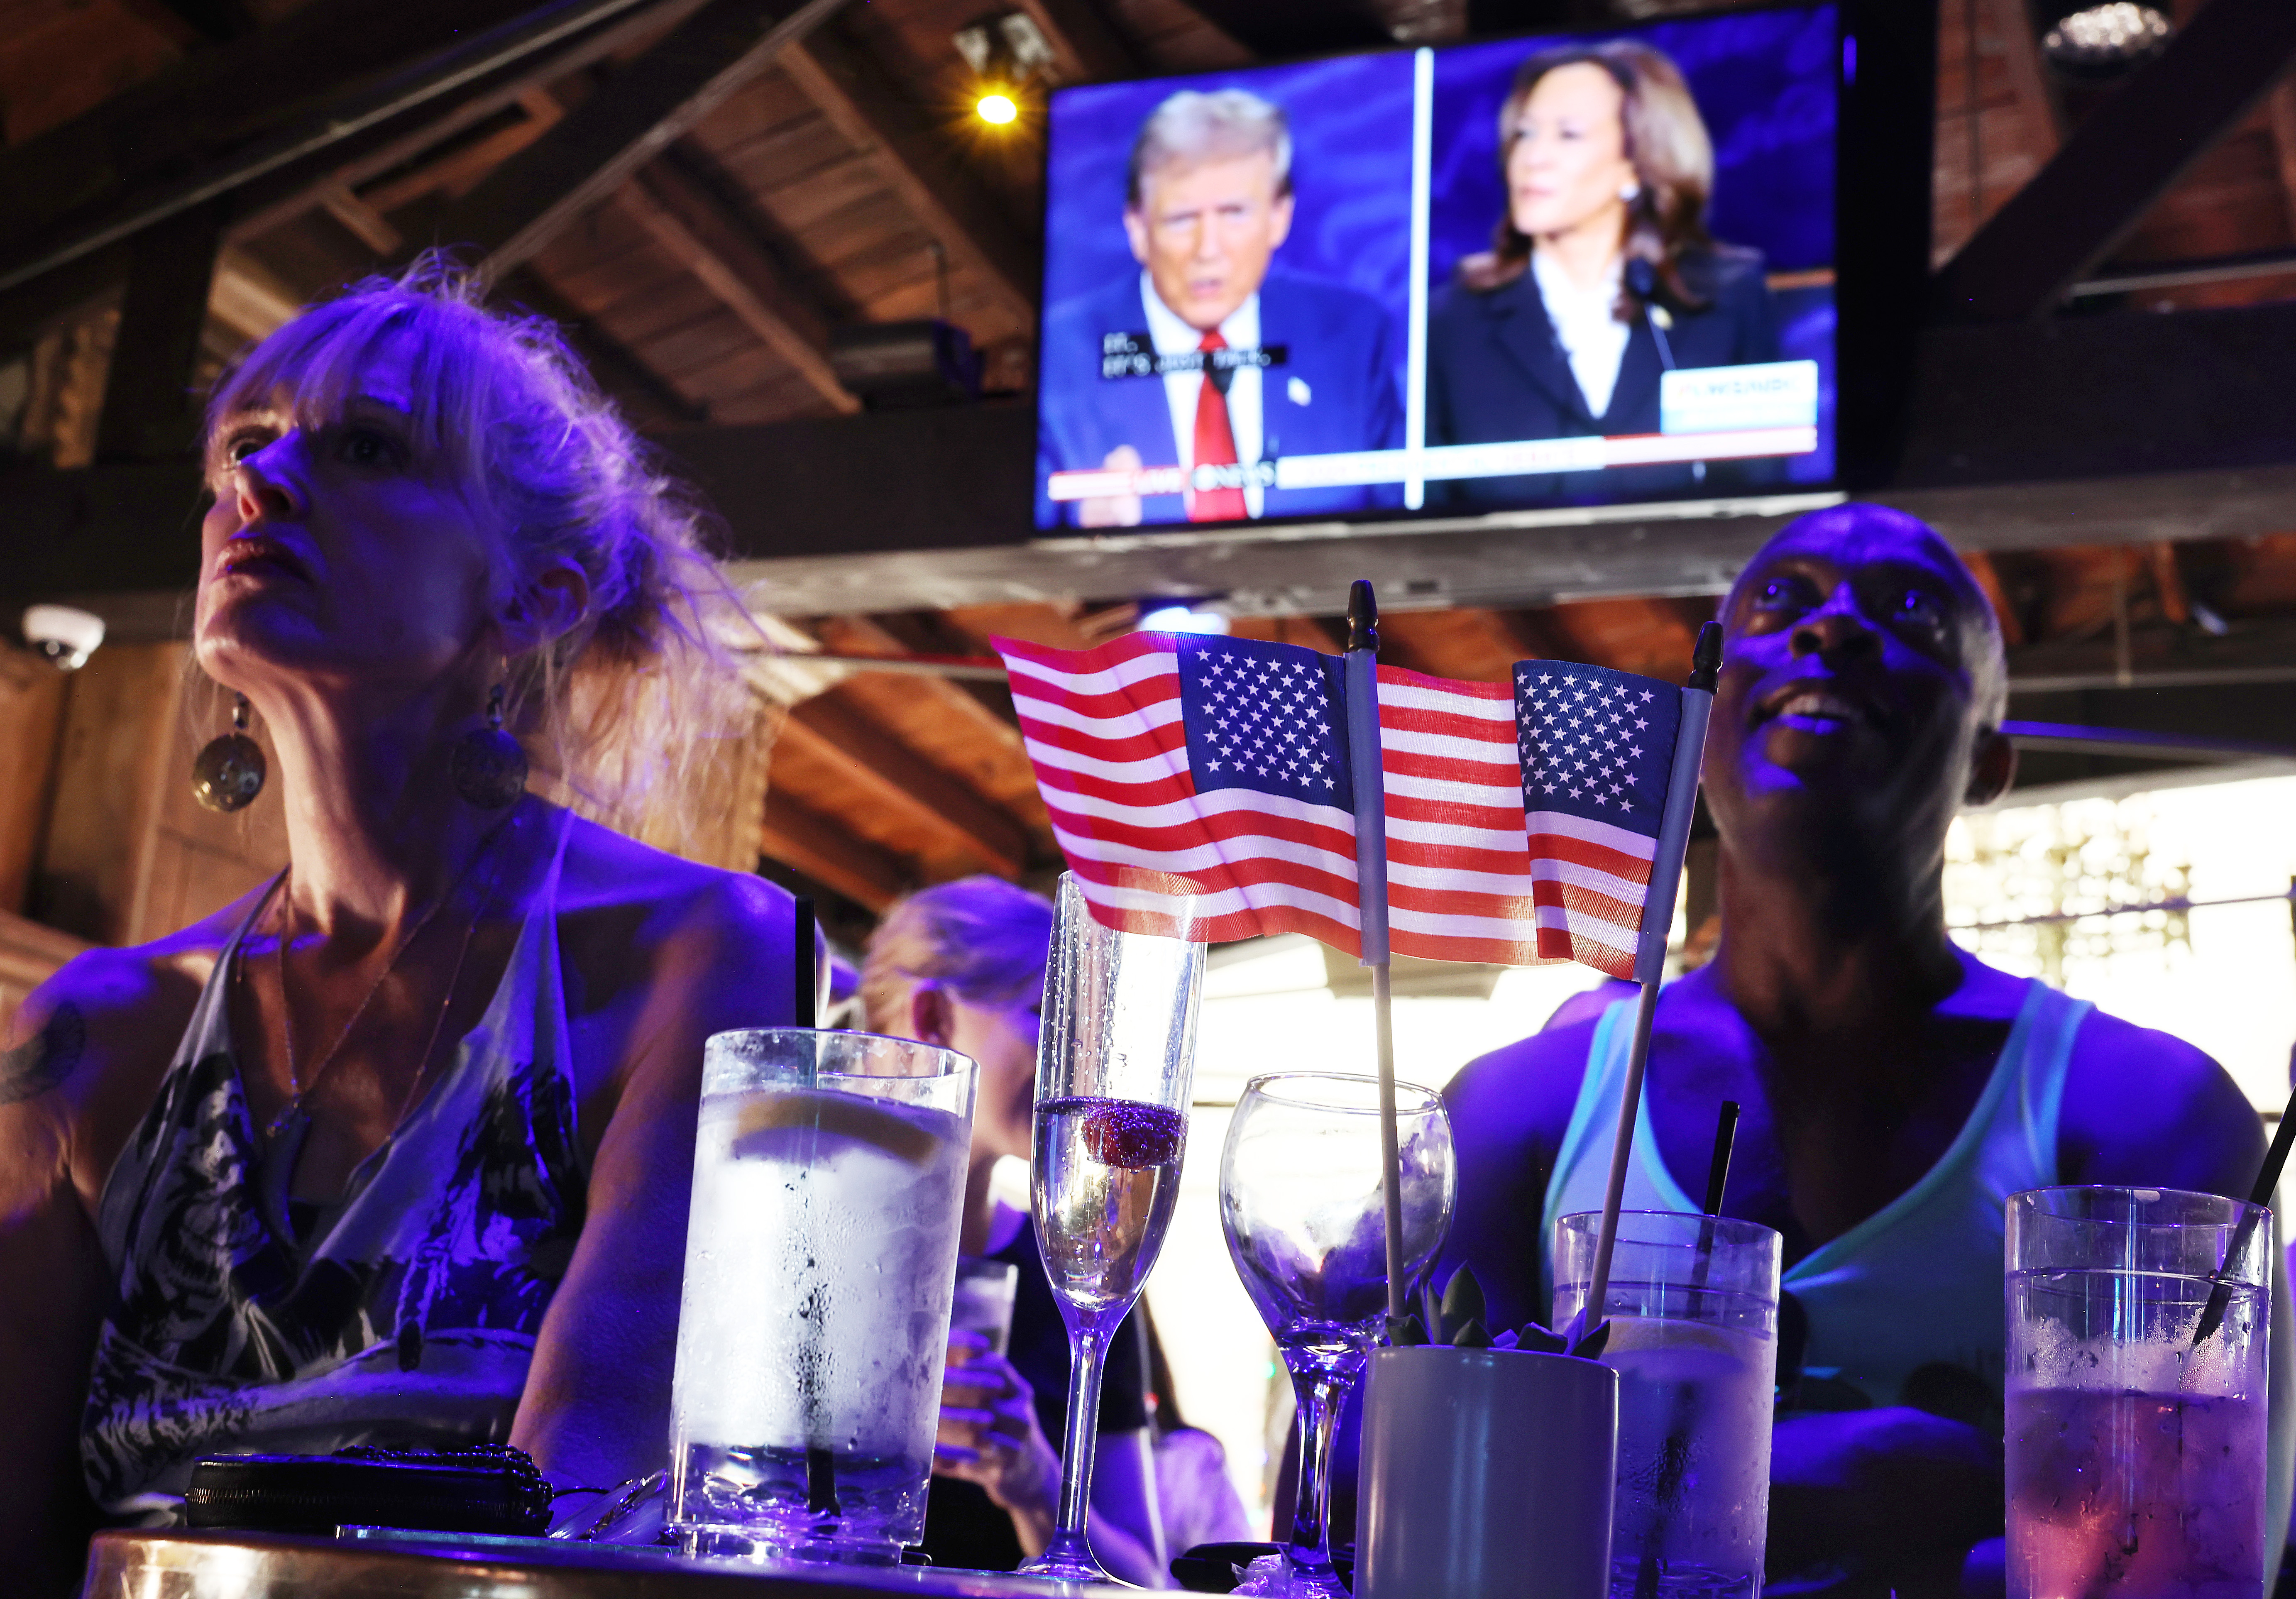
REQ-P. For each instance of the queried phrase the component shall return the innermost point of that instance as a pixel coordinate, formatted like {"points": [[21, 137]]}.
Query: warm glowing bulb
{"points": [[998, 109]]}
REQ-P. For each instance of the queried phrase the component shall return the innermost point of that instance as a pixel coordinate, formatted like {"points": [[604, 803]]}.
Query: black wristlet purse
{"points": [[485, 1488]]}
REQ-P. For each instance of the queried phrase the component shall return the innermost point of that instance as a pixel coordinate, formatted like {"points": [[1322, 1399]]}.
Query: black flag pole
{"points": [[1650, 954], [1369, 781]]}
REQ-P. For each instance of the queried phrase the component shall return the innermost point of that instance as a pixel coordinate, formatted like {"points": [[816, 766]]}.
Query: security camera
{"points": [[64, 636]]}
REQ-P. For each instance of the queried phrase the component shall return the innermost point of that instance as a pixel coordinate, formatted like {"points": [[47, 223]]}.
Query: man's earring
{"points": [[228, 773], [488, 767]]}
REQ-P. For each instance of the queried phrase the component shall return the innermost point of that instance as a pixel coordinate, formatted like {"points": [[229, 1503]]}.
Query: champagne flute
{"points": [[1113, 1068], [1301, 1204]]}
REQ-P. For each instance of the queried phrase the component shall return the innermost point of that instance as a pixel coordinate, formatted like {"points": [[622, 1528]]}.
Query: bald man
{"points": [[1896, 1090]]}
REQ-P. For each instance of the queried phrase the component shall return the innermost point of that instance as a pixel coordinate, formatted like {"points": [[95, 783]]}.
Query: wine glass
{"points": [[1301, 1204], [1113, 1066]]}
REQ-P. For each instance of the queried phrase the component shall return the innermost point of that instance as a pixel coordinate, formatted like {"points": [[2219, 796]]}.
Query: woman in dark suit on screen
{"points": [[1602, 275]]}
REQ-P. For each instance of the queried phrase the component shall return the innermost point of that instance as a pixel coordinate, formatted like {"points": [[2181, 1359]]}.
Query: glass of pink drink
{"points": [[1114, 1065], [2138, 1319]]}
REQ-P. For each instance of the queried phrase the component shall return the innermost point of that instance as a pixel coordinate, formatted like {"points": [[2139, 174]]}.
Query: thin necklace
{"points": [[298, 1090]]}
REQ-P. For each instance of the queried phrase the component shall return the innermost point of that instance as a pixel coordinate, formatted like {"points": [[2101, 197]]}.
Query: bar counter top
{"points": [[246, 1565]]}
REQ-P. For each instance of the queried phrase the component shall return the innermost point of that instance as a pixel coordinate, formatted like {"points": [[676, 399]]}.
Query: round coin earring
{"points": [[228, 772], [488, 767]]}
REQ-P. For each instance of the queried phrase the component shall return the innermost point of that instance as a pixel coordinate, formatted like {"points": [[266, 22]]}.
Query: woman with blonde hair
{"points": [[961, 965], [1601, 277], [396, 1149]]}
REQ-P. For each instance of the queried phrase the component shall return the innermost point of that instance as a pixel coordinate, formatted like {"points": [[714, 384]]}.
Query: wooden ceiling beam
{"points": [[646, 397], [897, 138], [634, 117], [2169, 582], [1279, 30], [385, 151], [803, 839], [1988, 578], [1089, 49], [331, 73], [2012, 26], [864, 636], [150, 409], [2117, 162], [832, 733], [2280, 110], [1540, 635], [456, 170], [690, 225]]}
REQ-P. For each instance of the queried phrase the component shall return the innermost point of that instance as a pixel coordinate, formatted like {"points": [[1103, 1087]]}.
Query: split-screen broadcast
{"points": [[1554, 271]]}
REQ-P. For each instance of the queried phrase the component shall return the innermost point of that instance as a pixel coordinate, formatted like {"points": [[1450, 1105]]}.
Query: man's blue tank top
{"points": [[1917, 1283]]}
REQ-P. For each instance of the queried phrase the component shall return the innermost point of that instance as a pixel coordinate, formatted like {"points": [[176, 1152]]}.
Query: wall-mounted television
{"points": [[1559, 270]]}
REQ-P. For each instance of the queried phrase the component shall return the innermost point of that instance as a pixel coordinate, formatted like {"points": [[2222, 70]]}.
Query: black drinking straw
{"points": [[820, 1461], [808, 967], [1718, 1170], [2268, 1178], [1674, 1456]]}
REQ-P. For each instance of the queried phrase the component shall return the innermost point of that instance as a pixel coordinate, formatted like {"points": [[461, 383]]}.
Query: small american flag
{"points": [[1597, 753], [1199, 785]]}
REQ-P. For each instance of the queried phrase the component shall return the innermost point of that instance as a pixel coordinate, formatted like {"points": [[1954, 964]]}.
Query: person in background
{"points": [[962, 966], [395, 1149], [1208, 202], [1896, 1089], [1608, 170], [1196, 1499]]}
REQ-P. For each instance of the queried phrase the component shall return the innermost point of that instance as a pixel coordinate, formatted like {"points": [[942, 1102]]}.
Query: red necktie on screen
{"points": [[1215, 445]]}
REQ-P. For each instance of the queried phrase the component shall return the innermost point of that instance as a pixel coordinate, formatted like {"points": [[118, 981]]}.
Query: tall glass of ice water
{"points": [[1693, 1302], [820, 1259], [1114, 1064], [2136, 1446]]}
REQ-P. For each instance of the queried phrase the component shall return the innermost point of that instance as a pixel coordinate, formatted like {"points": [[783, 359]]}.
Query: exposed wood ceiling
{"points": [[705, 190]]}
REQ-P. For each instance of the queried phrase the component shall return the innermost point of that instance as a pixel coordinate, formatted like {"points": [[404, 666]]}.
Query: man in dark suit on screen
{"points": [[1210, 358]]}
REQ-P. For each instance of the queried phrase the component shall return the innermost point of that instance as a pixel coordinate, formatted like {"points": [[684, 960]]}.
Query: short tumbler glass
{"points": [[1693, 1302], [828, 1185], [986, 1292], [2136, 1447]]}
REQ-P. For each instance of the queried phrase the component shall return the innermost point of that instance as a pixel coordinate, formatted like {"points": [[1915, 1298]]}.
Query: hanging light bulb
{"points": [[2105, 41], [1005, 53]]}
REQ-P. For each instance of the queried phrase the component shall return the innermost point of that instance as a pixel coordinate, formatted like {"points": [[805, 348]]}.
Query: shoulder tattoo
{"points": [[46, 1059]]}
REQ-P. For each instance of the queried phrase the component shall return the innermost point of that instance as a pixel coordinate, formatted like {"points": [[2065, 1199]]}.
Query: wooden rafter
{"points": [[523, 203], [644, 395], [902, 781], [149, 407], [864, 635], [1633, 635], [897, 139], [465, 164], [686, 221], [2012, 28], [1988, 578], [395, 146], [1288, 27], [2169, 583], [2119, 161], [2280, 108], [332, 73], [805, 841], [1474, 645], [1088, 48], [1539, 635]]}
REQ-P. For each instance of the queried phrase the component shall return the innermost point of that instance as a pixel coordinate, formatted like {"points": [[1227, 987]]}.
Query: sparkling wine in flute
{"points": [[1113, 1066], [1108, 1172]]}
